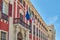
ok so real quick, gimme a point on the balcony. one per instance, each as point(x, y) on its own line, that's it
point(4, 16)
point(20, 21)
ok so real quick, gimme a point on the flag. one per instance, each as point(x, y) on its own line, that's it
point(30, 20)
point(27, 15)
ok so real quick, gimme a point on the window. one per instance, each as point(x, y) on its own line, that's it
point(32, 13)
point(41, 34)
point(20, 1)
point(24, 3)
point(21, 20)
point(30, 27)
point(44, 27)
point(3, 36)
point(29, 9)
point(37, 31)
point(34, 29)
point(38, 20)
point(35, 16)
point(19, 36)
point(5, 7)
point(21, 17)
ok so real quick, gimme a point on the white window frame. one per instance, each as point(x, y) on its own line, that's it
point(6, 34)
point(5, 7)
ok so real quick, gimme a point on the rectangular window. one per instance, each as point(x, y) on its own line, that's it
point(24, 3)
point(35, 17)
point(5, 7)
point(38, 20)
point(34, 29)
point(32, 13)
point(29, 11)
point(41, 34)
point(3, 35)
point(37, 31)
point(20, 1)
point(21, 17)
point(30, 27)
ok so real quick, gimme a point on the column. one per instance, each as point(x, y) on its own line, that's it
point(11, 27)
point(32, 29)
point(28, 35)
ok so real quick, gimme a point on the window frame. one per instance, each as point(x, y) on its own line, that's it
point(34, 30)
point(3, 35)
point(6, 34)
point(5, 7)
point(24, 3)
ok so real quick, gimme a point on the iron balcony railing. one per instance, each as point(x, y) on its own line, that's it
point(4, 16)
point(20, 21)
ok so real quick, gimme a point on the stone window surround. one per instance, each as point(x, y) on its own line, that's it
point(6, 34)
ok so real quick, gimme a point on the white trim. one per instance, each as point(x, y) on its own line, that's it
point(3, 31)
point(6, 33)
point(22, 27)
point(32, 30)
point(1, 20)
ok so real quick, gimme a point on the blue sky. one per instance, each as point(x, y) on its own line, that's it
point(50, 12)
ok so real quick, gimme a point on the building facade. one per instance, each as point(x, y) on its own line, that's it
point(4, 23)
point(51, 32)
point(14, 24)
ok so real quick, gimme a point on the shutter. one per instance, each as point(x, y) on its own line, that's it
point(10, 10)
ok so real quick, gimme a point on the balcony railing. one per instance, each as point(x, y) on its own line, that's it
point(4, 16)
point(20, 21)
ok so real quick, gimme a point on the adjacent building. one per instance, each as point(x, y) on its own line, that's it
point(51, 32)
point(19, 20)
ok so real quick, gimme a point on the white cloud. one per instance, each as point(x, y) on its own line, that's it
point(53, 19)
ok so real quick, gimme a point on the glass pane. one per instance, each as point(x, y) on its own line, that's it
point(5, 7)
point(3, 35)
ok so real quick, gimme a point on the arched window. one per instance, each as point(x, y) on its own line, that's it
point(19, 36)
